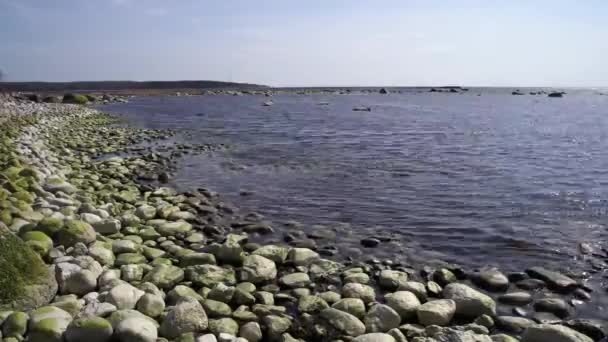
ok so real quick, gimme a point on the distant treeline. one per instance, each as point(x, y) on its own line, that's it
point(119, 85)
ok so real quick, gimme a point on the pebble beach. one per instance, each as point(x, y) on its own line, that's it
point(95, 247)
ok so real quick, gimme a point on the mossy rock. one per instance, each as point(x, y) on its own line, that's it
point(76, 231)
point(38, 241)
point(50, 225)
point(15, 325)
point(6, 217)
point(24, 196)
point(91, 329)
point(129, 259)
point(75, 98)
point(47, 330)
point(25, 281)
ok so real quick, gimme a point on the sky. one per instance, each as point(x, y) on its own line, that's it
point(309, 43)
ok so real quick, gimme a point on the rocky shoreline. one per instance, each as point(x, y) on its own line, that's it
point(92, 253)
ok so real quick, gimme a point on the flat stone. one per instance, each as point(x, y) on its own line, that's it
point(553, 333)
point(516, 298)
point(513, 324)
point(553, 279)
point(557, 306)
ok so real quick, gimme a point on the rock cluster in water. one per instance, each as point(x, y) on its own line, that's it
point(113, 259)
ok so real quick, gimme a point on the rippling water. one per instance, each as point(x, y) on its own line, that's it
point(513, 181)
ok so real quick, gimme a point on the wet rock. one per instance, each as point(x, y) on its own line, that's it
point(444, 276)
point(391, 279)
point(513, 324)
point(556, 306)
point(370, 242)
point(491, 279)
point(553, 333)
point(546, 318)
point(555, 280)
point(516, 298)
point(531, 284)
point(596, 329)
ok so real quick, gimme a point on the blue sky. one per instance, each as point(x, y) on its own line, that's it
point(308, 43)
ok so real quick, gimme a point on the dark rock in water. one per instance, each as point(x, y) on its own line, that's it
point(596, 329)
point(530, 284)
point(556, 94)
point(520, 312)
point(370, 242)
point(163, 177)
point(546, 318)
point(304, 243)
point(581, 294)
point(516, 276)
point(517, 92)
point(555, 280)
point(433, 288)
point(328, 250)
point(433, 90)
point(516, 298)
point(75, 99)
point(383, 91)
point(362, 109)
point(52, 99)
point(34, 98)
point(555, 306)
point(444, 276)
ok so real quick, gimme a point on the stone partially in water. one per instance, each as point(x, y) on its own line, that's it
point(553, 333)
point(553, 279)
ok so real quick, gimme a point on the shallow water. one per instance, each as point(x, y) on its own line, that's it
point(512, 181)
